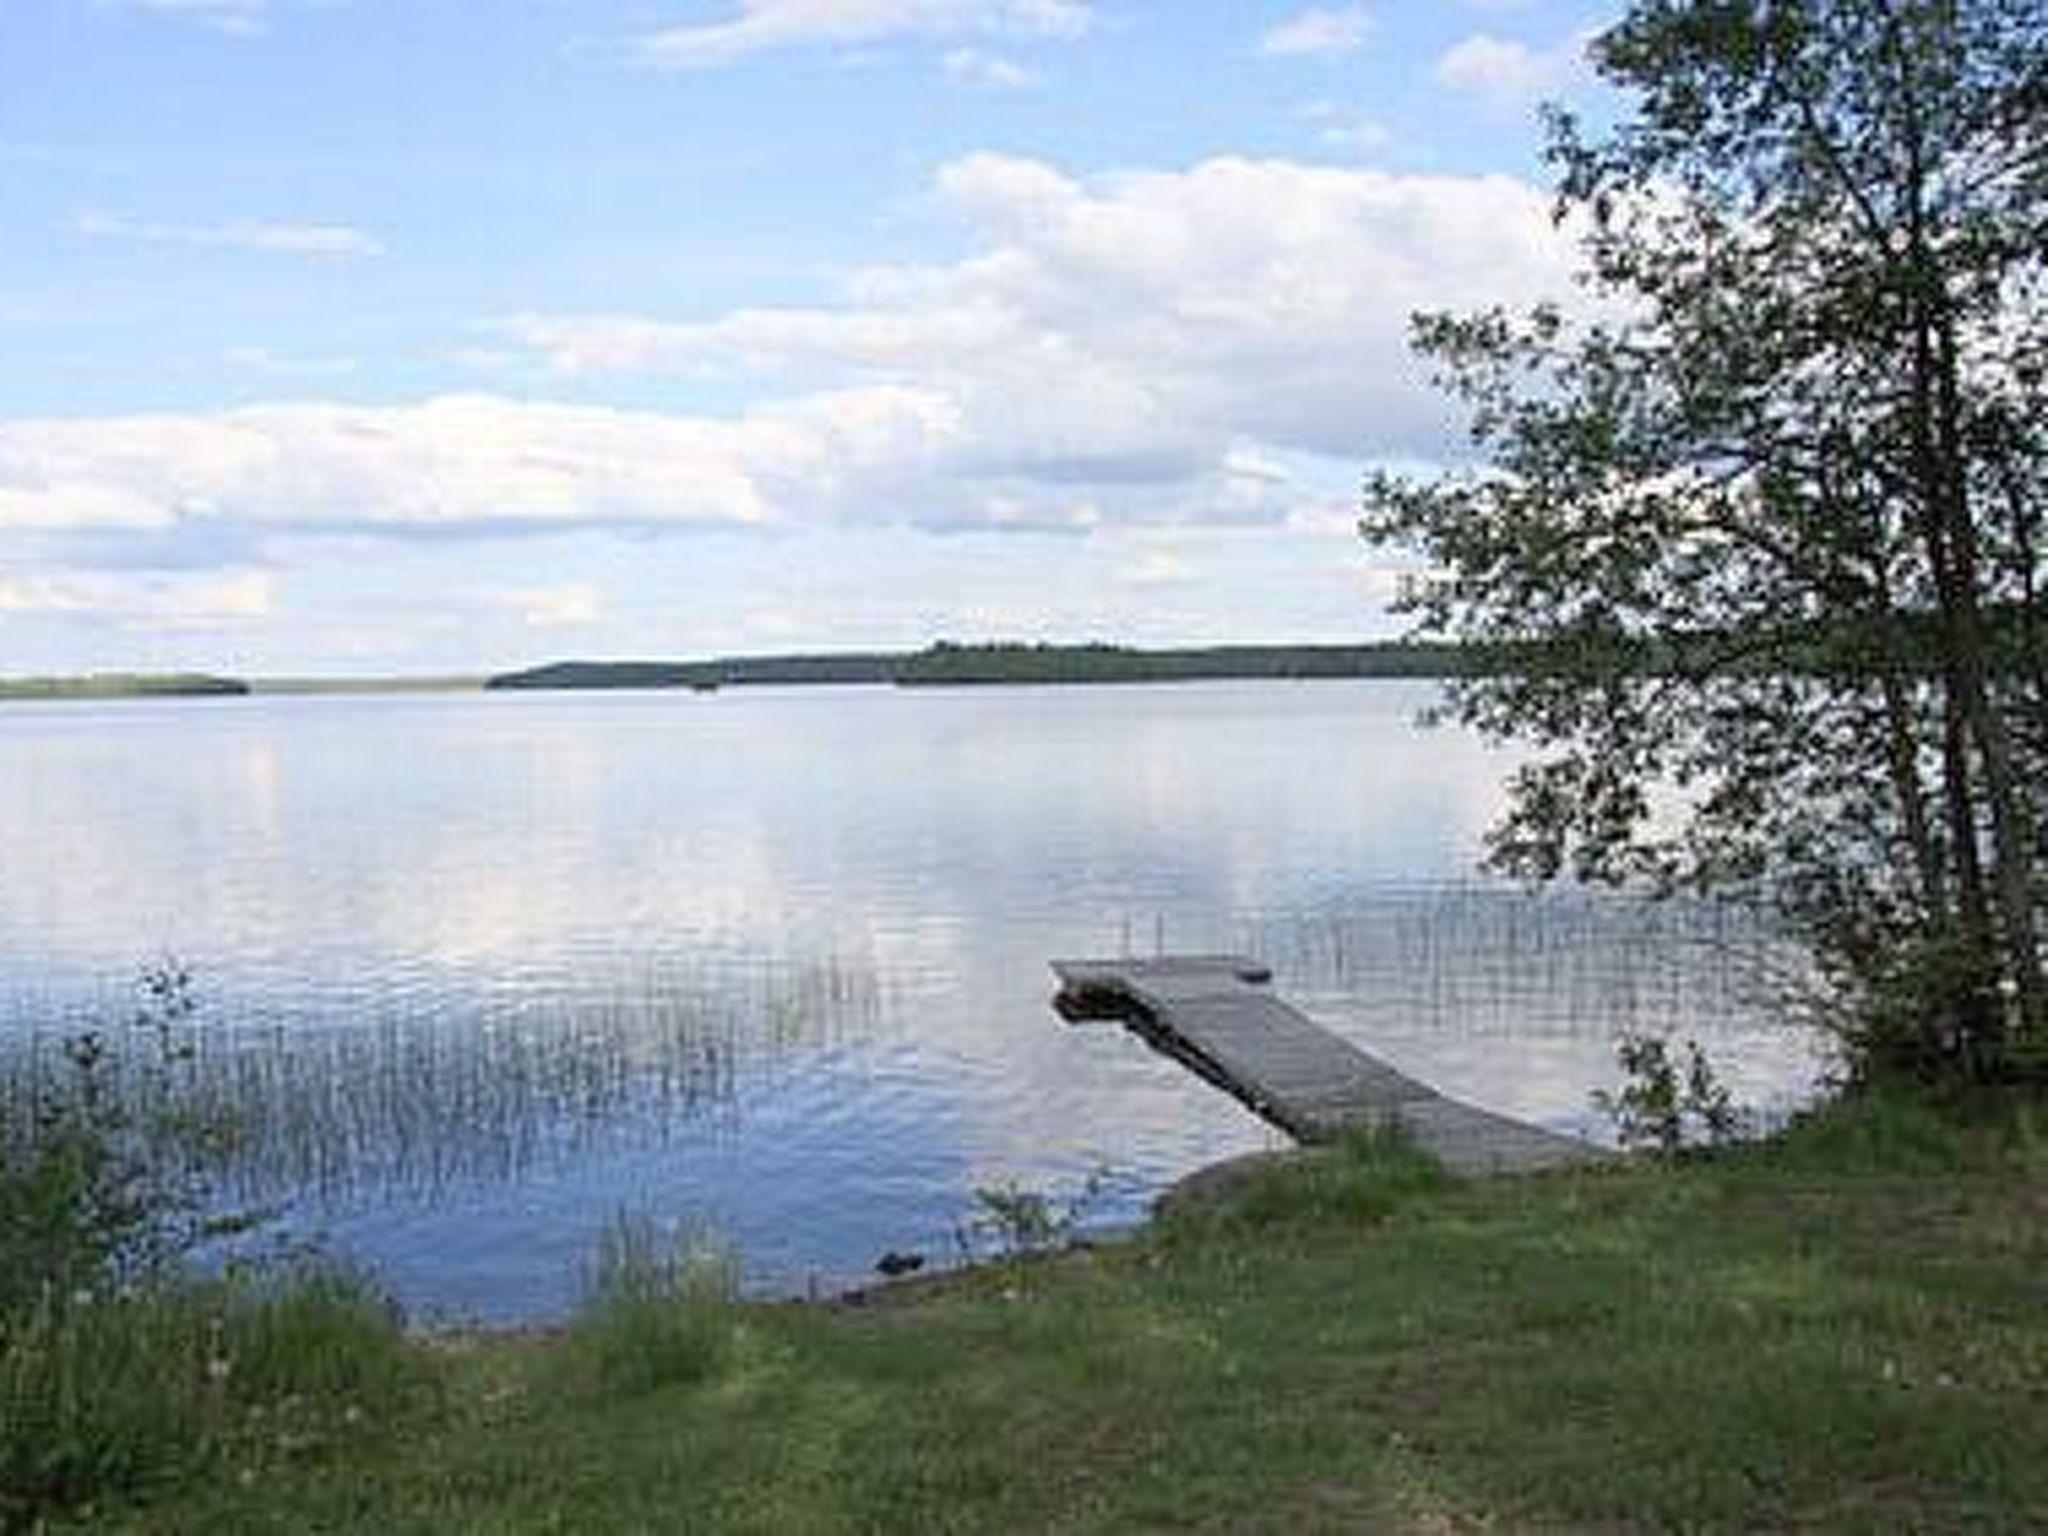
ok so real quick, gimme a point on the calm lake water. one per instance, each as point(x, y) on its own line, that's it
point(485, 970)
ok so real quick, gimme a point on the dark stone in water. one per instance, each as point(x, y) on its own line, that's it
point(893, 1263)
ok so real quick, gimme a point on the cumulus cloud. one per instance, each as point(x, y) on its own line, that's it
point(1319, 31)
point(41, 504)
point(764, 25)
point(1509, 73)
point(1147, 350)
point(1140, 325)
point(448, 463)
point(320, 242)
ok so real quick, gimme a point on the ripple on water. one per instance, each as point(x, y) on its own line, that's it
point(478, 972)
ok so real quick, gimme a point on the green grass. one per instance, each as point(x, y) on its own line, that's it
point(1847, 1330)
point(657, 1311)
point(112, 1396)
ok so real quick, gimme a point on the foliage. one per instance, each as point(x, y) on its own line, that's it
point(949, 664)
point(1667, 1105)
point(120, 1368)
point(102, 1160)
point(1892, 1129)
point(1018, 1222)
point(1765, 527)
point(656, 1310)
point(115, 1394)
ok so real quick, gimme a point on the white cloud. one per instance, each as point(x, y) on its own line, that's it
point(34, 504)
point(1155, 568)
point(446, 463)
point(42, 594)
point(1319, 31)
point(320, 242)
point(154, 602)
point(270, 362)
point(1149, 350)
point(1511, 74)
point(1346, 131)
point(238, 18)
point(978, 67)
point(571, 606)
point(1136, 328)
point(764, 25)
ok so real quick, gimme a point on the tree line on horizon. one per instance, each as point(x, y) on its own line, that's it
point(950, 663)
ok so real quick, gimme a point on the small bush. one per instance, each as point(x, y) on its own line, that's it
point(1926, 1011)
point(102, 1155)
point(1012, 1222)
point(656, 1311)
point(1667, 1105)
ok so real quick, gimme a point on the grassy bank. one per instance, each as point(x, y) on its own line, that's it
point(1847, 1330)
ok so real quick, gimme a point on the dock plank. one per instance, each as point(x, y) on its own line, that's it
point(1217, 1015)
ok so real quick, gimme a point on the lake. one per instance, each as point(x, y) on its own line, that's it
point(484, 970)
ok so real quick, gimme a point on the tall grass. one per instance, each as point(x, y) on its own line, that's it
point(111, 1394)
point(658, 1309)
point(416, 1104)
point(1502, 962)
point(514, 1081)
point(120, 1366)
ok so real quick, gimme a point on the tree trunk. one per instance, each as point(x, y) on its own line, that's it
point(2011, 825)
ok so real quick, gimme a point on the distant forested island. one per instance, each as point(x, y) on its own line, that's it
point(122, 685)
point(949, 664)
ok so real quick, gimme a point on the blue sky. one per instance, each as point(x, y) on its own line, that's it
point(415, 335)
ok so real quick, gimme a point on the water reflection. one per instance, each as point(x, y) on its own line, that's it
point(490, 967)
point(467, 830)
point(1511, 964)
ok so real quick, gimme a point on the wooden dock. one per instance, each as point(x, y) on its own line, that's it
point(1216, 1015)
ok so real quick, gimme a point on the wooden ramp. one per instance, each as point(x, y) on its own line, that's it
point(1215, 1014)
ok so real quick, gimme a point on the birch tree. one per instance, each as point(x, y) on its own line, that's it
point(1760, 554)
